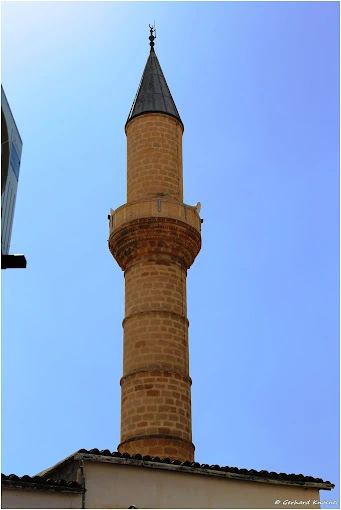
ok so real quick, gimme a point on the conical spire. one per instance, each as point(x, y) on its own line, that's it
point(153, 94)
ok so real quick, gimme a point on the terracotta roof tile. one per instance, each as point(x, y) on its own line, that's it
point(195, 465)
point(39, 482)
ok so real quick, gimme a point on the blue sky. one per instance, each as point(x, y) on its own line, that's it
point(257, 88)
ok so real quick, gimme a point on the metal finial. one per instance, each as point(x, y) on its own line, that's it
point(151, 38)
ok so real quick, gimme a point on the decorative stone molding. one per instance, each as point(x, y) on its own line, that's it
point(155, 237)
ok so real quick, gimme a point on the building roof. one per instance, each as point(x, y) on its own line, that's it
point(38, 482)
point(153, 94)
point(106, 456)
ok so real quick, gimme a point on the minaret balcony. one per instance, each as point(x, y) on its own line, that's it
point(155, 227)
point(156, 207)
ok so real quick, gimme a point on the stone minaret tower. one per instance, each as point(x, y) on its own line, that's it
point(155, 238)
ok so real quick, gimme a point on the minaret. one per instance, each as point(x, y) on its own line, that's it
point(155, 238)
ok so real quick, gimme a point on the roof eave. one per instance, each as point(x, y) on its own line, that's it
point(200, 471)
point(17, 484)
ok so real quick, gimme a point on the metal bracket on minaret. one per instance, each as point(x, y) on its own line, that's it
point(151, 38)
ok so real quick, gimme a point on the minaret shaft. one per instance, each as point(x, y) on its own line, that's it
point(154, 158)
point(155, 238)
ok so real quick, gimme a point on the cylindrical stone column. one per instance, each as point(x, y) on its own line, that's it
point(155, 253)
point(154, 157)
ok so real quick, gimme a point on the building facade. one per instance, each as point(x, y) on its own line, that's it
point(11, 149)
point(100, 479)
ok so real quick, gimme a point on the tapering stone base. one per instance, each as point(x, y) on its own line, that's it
point(159, 446)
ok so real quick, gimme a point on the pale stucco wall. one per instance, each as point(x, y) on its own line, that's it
point(28, 498)
point(119, 486)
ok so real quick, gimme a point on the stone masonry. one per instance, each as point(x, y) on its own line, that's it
point(155, 238)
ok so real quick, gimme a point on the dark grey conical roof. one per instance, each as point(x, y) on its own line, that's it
point(153, 94)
